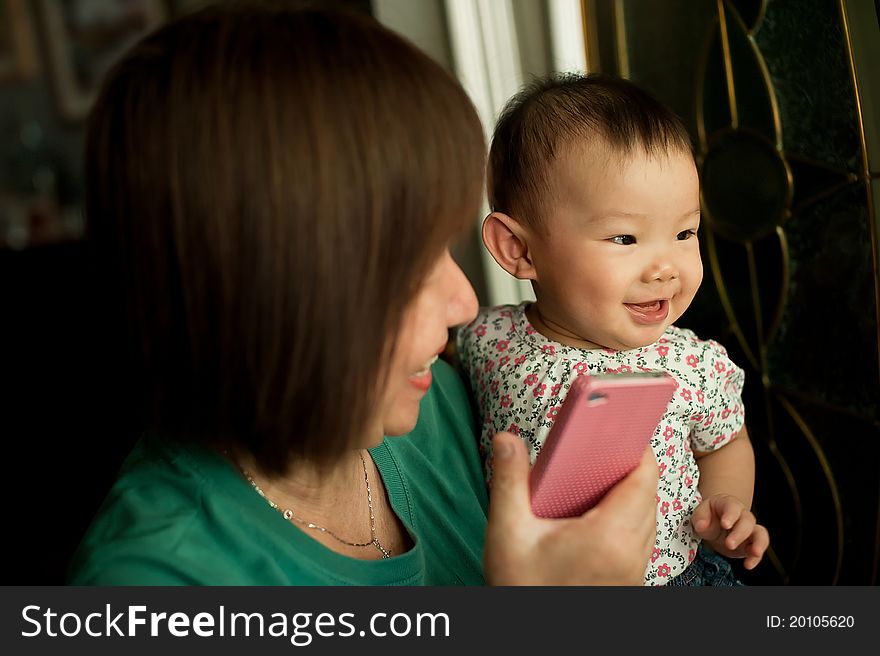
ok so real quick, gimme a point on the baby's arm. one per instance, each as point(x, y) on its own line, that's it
point(723, 518)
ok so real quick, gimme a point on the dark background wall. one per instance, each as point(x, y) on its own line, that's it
point(64, 422)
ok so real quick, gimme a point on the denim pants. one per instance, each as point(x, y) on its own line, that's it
point(708, 568)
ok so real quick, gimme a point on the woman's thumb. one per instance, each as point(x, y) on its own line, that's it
point(510, 482)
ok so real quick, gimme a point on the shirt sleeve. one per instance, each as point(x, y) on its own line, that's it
point(724, 412)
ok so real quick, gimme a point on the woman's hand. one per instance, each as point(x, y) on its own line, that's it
point(608, 545)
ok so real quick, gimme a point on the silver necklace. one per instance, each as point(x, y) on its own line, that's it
point(289, 515)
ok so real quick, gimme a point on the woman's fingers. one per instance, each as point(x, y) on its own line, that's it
point(507, 547)
point(631, 504)
point(510, 480)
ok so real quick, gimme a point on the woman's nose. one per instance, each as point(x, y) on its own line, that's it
point(462, 305)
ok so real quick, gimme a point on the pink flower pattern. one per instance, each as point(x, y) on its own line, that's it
point(705, 413)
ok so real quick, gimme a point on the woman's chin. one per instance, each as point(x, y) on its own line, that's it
point(402, 422)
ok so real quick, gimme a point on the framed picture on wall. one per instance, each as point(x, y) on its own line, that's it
point(84, 38)
point(17, 53)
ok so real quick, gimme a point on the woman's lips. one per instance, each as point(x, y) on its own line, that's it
point(649, 313)
point(422, 379)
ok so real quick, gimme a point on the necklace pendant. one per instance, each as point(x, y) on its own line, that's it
point(385, 552)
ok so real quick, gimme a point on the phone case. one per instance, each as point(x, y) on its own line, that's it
point(599, 435)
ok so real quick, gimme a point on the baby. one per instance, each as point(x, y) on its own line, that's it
point(596, 201)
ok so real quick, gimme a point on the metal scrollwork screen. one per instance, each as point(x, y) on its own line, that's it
point(769, 90)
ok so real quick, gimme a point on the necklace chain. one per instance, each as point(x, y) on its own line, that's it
point(289, 515)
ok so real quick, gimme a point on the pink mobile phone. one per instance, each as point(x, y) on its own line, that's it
point(605, 424)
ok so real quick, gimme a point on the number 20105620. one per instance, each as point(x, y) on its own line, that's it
point(810, 622)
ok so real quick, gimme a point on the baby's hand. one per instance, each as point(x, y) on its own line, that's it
point(730, 529)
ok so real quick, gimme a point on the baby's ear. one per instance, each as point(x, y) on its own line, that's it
point(508, 242)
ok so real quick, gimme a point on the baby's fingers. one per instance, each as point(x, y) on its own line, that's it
point(742, 529)
point(729, 511)
point(756, 547)
point(704, 522)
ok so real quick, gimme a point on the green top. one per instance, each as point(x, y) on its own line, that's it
point(182, 515)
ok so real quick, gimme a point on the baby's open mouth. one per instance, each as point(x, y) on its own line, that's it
point(650, 312)
point(650, 306)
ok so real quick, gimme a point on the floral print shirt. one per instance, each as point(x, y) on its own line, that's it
point(520, 378)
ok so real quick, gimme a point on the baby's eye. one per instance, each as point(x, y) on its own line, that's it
point(686, 234)
point(623, 240)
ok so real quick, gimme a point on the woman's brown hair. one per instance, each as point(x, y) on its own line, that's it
point(266, 187)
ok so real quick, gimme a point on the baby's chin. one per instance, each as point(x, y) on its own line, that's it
point(641, 341)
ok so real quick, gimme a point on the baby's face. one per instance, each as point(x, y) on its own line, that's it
point(621, 261)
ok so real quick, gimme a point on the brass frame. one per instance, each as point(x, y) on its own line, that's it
point(872, 212)
point(774, 395)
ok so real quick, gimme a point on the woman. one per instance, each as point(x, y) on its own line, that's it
point(273, 191)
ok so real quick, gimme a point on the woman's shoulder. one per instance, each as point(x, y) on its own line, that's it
point(160, 522)
point(150, 508)
point(159, 477)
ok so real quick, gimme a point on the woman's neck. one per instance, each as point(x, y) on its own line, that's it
point(342, 500)
point(308, 487)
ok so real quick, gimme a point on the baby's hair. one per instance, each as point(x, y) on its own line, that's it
point(553, 113)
